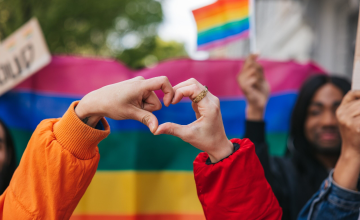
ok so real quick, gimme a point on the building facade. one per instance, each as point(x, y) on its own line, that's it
point(320, 30)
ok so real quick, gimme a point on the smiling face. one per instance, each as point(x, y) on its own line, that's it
point(321, 125)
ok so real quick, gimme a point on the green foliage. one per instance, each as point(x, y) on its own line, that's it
point(126, 29)
point(151, 51)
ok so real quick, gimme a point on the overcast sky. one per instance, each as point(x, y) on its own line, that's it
point(179, 24)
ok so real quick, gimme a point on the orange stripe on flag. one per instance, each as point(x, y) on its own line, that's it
point(139, 217)
point(222, 19)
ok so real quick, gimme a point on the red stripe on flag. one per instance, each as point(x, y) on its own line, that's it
point(218, 8)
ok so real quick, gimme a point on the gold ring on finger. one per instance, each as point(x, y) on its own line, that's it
point(202, 95)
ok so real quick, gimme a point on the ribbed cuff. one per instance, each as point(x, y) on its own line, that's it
point(76, 136)
point(236, 147)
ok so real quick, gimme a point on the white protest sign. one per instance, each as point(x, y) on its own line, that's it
point(356, 70)
point(22, 54)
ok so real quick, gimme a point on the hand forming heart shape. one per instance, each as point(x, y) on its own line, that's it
point(135, 99)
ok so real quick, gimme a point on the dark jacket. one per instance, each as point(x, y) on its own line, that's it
point(294, 178)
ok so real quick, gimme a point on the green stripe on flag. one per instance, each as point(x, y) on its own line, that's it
point(146, 152)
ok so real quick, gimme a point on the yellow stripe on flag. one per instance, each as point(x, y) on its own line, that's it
point(129, 193)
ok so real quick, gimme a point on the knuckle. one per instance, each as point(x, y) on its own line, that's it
point(170, 131)
point(140, 78)
point(164, 78)
point(253, 70)
point(193, 80)
point(145, 119)
point(338, 113)
point(348, 123)
point(158, 106)
point(341, 120)
point(260, 69)
point(194, 86)
point(215, 110)
point(218, 103)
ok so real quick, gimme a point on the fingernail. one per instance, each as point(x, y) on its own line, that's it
point(157, 132)
point(152, 127)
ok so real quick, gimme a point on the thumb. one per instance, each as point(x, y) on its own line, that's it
point(181, 131)
point(145, 117)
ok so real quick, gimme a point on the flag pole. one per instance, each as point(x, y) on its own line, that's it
point(356, 68)
point(252, 13)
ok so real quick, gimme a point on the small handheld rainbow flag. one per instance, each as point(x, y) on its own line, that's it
point(222, 22)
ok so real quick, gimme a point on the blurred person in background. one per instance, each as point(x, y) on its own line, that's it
point(314, 143)
point(338, 197)
point(7, 157)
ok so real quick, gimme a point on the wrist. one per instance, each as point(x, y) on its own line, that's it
point(84, 114)
point(80, 111)
point(226, 149)
point(254, 113)
point(350, 157)
point(347, 169)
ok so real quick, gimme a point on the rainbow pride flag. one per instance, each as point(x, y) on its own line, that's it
point(141, 176)
point(222, 22)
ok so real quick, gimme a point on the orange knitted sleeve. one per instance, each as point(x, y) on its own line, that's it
point(55, 170)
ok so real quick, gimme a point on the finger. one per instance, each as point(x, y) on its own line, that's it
point(187, 83)
point(252, 81)
point(259, 70)
point(190, 91)
point(152, 103)
point(351, 96)
point(137, 78)
point(163, 83)
point(181, 131)
point(145, 117)
point(249, 83)
point(255, 70)
point(352, 109)
point(250, 72)
point(196, 109)
point(250, 60)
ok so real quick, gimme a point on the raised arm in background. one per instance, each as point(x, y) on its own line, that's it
point(62, 155)
point(229, 177)
point(256, 89)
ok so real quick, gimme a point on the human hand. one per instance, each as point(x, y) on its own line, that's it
point(130, 99)
point(207, 133)
point(348, 115)
point(256, 89)
point(347, 169)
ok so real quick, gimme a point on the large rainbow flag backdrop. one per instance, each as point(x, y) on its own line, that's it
point(222, 22)
point(141, 176)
